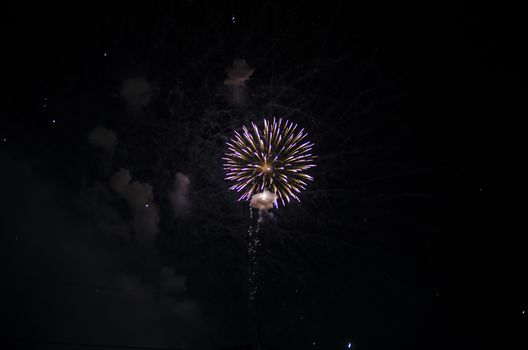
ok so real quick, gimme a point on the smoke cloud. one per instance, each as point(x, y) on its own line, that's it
point(103, 138)
point(171, 282)
point(239, 73)
point(263, 201)
point(178, 196)
point(140, 199)
point(78, 277)
point(136, 92)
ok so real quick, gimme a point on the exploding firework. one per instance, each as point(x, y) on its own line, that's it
point(273, 158)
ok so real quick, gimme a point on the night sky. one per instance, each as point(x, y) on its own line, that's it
point(118, 229)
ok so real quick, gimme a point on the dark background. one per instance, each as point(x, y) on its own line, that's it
point(390, 246)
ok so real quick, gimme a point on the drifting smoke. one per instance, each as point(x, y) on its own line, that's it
point(88, 270)
point(238, 73)
point(178, 195)
point(171, 282)
point(137, 93)
point(103, 138)
point(139, 197)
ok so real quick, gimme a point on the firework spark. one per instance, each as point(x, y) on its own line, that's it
point(273, 157)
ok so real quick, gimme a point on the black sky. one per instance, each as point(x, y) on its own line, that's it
point(389, 246)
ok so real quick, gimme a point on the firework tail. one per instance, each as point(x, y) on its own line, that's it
point(253, 245)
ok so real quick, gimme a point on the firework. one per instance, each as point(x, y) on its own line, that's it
point(274, 157)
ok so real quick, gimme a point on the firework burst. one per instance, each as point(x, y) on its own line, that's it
point(273, 157)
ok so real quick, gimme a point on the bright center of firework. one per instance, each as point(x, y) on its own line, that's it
point(272, 157)
point(266, 168)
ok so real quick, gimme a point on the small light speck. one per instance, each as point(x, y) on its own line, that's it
point(45, 105)
point(45, 98)
point(147, 205)
point(480, 189)
point(53, 121)
point(233, 19)
point(4, 139)
point(313, 343)
point(105, 54)
point(349, 346)
point(523, 312)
